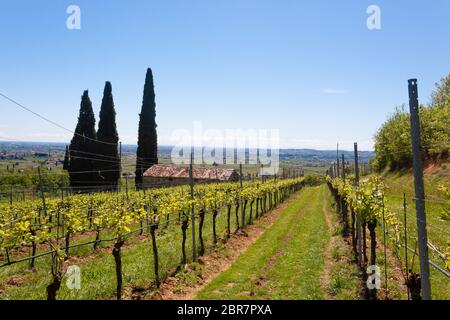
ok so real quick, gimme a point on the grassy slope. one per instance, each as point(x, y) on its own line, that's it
point(287, 260)
point(438, 229)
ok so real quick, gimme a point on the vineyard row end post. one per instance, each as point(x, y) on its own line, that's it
point(419, 189)
point(41, 187)
point(358, 216)
point(241, 200)
point(191, 184)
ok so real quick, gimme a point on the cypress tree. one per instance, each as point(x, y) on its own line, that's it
point(66, 159)
point(82, 146)
point(108, 163)
point(146, 154)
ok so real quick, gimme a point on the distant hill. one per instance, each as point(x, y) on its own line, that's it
point(290, 155)
point(322, 155)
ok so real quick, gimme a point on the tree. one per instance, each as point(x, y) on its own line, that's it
point(107, 163)
point(393, 139)
point(66, 162)
point(441, 95)
point(82, 146)
point(146, 154)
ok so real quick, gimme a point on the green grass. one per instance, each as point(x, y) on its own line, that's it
point(286, 262)
point(438, 229)
point(345, 277)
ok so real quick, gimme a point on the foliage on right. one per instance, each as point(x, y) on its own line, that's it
point(393, 139)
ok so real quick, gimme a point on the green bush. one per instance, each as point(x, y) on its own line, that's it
point(393, 139)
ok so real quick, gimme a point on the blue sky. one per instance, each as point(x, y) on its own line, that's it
point(309, 68)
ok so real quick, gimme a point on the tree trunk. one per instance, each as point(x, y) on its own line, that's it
point(372, 294)
point(166, 223)
point(364, 238)
point(237, 216)
point(184, 226)
point(67, 245)
point(228, 221)
point(153, 228)
point(200, 232)
point(33, 249)
point(118, 259)
point(53, 287)
point(345, 219)
point(373, 242)
point(414, 286)
point(214, 227)
point(90, 217)
point(243, 214)
point(97, 238)
point(270, 200)
point(251, 212)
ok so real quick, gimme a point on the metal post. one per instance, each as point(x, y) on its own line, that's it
point(419, 189)
point(337, 160)
point(191, 183)
point(240, 198)
point(120, 164)
point(356, 164)
point(358, 216)
point(126, 185)
point(41, 186)
point(385, 255)
point(343, 167)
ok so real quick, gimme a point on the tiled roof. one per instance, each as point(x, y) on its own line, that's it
point(201, 173)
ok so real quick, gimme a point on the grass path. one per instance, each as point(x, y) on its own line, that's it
point(286, 262)
point(341, 278)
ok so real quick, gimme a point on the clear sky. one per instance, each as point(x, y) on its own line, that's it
point(309, 68)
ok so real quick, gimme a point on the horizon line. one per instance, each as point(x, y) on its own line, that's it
point(168, 146)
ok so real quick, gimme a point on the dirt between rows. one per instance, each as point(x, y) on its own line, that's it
point(211, 265)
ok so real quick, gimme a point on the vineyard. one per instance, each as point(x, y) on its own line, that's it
point(53, 229)
point(369, 205)
point(224, 158)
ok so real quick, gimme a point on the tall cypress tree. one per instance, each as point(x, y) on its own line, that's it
point(108, 163)
point(66, 162)
point(82, 146)
point(146, 154)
